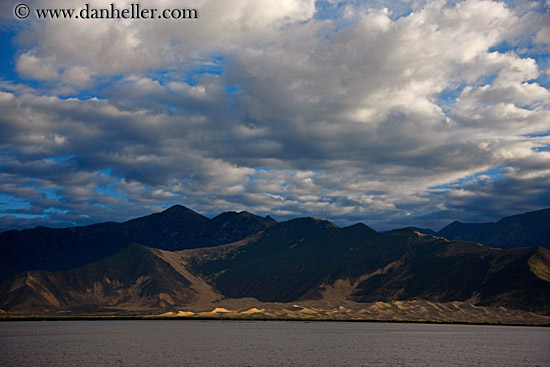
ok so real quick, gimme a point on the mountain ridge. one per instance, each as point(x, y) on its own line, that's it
point(520, 230)
point(176, 228)
point(139, 279)
point(303, 261)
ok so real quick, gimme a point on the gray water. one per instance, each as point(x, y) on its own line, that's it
point(268, 343)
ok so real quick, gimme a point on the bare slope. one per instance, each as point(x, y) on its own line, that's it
point(133, 278)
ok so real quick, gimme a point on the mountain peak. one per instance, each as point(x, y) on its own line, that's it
point(360, 226)
point(178, 209)
point(454, 223)
point(359, 230)
point(312, 221)
point(175, 212)
point(232, 213)
point(244, 213)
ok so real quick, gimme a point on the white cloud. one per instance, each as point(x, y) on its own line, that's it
point(29, 65)
point(262, 106)
point(74, 50)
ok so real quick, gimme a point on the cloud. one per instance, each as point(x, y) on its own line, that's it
point(75, 51)
point(385, 112)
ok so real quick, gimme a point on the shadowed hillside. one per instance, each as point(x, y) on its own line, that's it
point(522, 230)
point(133, 278)
point(176, 228)
point(302, 260)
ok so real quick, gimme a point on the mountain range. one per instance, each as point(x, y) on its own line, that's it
point(522, 230)
point(242, 264)
point(176, 228)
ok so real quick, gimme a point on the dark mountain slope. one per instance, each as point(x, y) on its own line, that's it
point(522, 230)
point(456, 230)
point(298, 259)
point(462, 271)
point(302, 259)
point(133, 277)
point(173, 229)
point(231, 227)
point(282, 263)
point(176, 228)
point(293, 261)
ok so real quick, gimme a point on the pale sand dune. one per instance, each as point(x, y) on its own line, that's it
point(185, 313)
point(416, 310)
point(252, 310)
point(178, 314)
point(220, 310)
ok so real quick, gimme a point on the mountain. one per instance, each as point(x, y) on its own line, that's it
point(283, 262)
point(241, 264)
point(230, 227)
point(423, 230)
point(522, 230)
point(176, 228)
point(300, 259)
point(133, 277)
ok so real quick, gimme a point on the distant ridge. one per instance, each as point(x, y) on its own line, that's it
point(522, 230)
point(179, 228)
point(176, 228)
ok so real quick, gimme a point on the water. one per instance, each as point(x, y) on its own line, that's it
point(268, 343)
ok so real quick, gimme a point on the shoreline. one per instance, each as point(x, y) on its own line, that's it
point(14, 318)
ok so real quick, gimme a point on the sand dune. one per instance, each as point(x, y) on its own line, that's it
point(416, 310)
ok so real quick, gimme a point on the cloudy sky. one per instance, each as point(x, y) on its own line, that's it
point(393, 113)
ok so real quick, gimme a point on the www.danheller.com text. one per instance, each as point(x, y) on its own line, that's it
point(132, 11)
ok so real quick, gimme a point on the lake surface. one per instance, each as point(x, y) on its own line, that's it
point(268, 343)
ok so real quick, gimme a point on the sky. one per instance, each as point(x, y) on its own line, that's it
point(391, 113)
